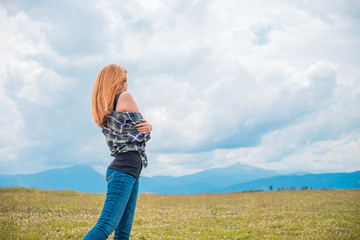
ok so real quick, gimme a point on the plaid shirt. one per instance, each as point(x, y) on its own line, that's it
point(122, 134)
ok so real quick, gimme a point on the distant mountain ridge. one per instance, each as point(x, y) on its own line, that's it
point(81, 178)
point(317, 181)
point(236, 178)
point(205, 181)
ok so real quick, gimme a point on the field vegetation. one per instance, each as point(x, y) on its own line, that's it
point(312, 214)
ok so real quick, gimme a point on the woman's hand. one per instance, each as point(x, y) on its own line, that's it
point(144, 127)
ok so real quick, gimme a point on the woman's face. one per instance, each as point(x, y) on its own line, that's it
point(125, 86)
point(125, 83)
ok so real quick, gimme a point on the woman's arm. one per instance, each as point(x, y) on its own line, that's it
point(126, 103)
point(144, 127)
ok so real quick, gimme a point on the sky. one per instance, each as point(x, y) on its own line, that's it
point(274, 85)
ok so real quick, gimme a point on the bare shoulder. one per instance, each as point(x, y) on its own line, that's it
point(126, 96)
point(126, 103)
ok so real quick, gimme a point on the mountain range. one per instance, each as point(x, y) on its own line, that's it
point(236, 178)
point(78, 177)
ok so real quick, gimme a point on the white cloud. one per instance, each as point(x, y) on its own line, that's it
point(12, 127)
point(336, 155)
point(341, 154)
point(40, 85)
point(23, 80)
point(260, 82)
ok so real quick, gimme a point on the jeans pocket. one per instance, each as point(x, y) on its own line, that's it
point(110, 175)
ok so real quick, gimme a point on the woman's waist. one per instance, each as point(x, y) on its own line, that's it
point(128, 162)
point(128, 154)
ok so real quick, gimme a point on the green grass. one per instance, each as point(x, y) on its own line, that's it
point(322, 214)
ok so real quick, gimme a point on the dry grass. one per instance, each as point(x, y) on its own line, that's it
point(324, 214)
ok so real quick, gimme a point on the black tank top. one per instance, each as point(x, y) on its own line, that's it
point(128, 162)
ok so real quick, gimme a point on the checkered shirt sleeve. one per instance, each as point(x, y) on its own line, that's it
point(122, 134)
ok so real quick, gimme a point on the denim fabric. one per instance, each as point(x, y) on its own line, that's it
point(119, 207)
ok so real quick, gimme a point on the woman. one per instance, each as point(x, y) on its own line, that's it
point(126, 133)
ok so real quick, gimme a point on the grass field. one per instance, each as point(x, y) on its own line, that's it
point(312, 214)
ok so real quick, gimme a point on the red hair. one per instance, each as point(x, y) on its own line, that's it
point(111, 79)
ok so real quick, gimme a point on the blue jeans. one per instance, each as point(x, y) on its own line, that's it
point(119, 207)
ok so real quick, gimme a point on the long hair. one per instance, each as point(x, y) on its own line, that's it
point(111, 79)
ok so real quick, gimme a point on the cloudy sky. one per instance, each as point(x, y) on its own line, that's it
point(272, 85)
